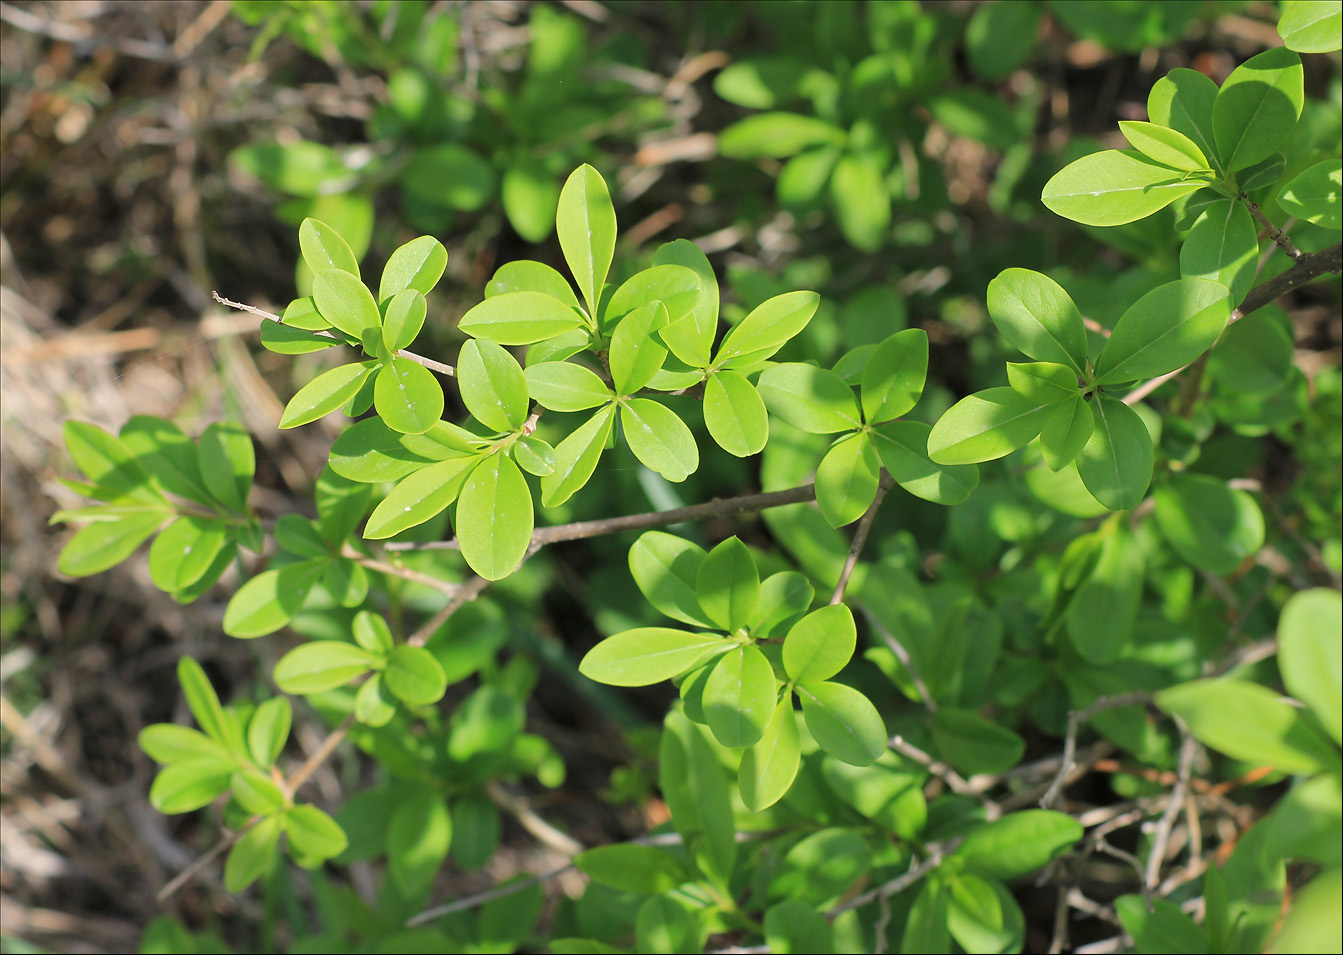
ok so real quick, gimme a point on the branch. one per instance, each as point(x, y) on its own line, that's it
point(633, 522)
point(319, 756)
point(1277, 235)
point(1161, 838)
point(937, 854)
point(429, 363)
point(860, 538)
point(405, 573)
point(954, 780)
point(1075, 720)
point(902, 655)
point(1309, 265)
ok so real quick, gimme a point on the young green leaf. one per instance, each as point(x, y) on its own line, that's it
point(586, 224)
point(644, 870)
point(1308, 26)
point(1316, 195)
point(665, 568)
point(1065, 433)
point(983, 916)
point(419, 834)
point(346, 303)
point(267, 602)
point(1156, 925)
point(847, 479)
point(739, 696)
point(285, 340)
point(648, 655)
point(325, 393)
point(784, 597)
point(107, 461)
point(1210, 524)
point(703, 317)
point(1104, 610)
point(1164, 330)
point(735, 414)
point(520, 318)
point(419, 497)
point(324, 249)
point(268, 731)
point(534, 456)
point(189, 785)
point(167, 743)
point(809, 398)
point(675, 286)
point(1257, 107)
point(1183, 101)
point(184, 551)
point(369, 452)
point(492, 384)
point(414, 676)
point(167, 454)
point(408, 396)
point(903, 449)
point(862, 200)
point(1310, 657)
point(204, 704)
point(1035, 314)
point(529, 195)
point(576, 458)
point(565, 386)
point(926, 927)
point(820, 644)
point(1263, 173)
point(403, 319)
point(1161, 144)
point(894, 375)
point(101, 546)
point(257, 794)
point(768, 327)
point(728, 585)
point(843, 722)
point(635, 355)
point(417, 265)
point(986, 425)
point(770, 766)
point(1223, 246)
point(1116, 462)
point(313, 834)
point(663, 924)
point(659, 438)
point(228, 462)
point(1114, 187)
point(322, 665)
point(1043, 382)
point(1018, 843)
point(528, 276)
point(252, 855)
point(494, 518)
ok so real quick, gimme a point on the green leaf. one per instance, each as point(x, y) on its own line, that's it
point(478, 830)
point(576, 458)
point(299, 168)
point(1309, 655)
point(1018, 843)
point(267, 602)
point(983, 916)
point(1257, 107)
point(761, 82)
point(528, 276)
point(447, 176)
point(843, 722)
point(648, 655)
point(663, 925)
point(488, 722)
point(862, 201)
point(372, 633)
point(494, 518)
point(204, 705)
point(1312, 925)
point(793, 927)
point(1263, 173)
point(998, 38)
point(1223, 246)
point(1158, 926)
point(739, 696)
point(492, 384)
point(346, 303)
point(665, 568)
point(903, 449)
point(986, 425)
point(418, 836)
point(635, 355)
point(1183, 100)
point(627, 867)
point(1104, 610)
point(253, 854)
point(168, 455)
point(1250, 722)
point(417, 265)
point(735, 414)
point(341, 504)
point(1066, 431)
point(402, 319)
point(529, 196)
point(586, 224)
point(926, 927)
point(809, 398)
point(1116, 462)
point(972, 744)
point(779, 135)
point(822, 867)
point(189, 785)
point(268, 731)
point(534, 456)
point(1035, 314)
point(1311, 26)
point(414, 676)
point(313, 834)
point(419, 497)
point(728, 585)
point(324, 249)
point(894, 375)
point(678, 289)
point(820, 644)
point(520, 318)
point(770, 766)
point(659, 438)
point(767, 328)
point(1043, 382)
point(408, 396)
point(1161, 144)
point(1253, 357)
point(257, 794)
point(1316, 195)
point(1213, 526)
point(369, 452)
point(847, 479)
point(565, 386)
point(322, 665)
point(703, 317)
point(695, 787)
point(1114, 187)
point(167, 743)
point(184, 551)
point(325, 393)
point(107, 461)
point(100, 546)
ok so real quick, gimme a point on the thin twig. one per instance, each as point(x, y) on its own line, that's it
point(901, 654)
point(466, 593)
point(1075, 719)
point(429, 363)
point(1279, 237)
point(187, 874)
point(489, 895)
point(860, 538)
point(319, 756)
point(405, 573)
point(958, 783)
point(1161, 837)
point(529, 820)
point(937, 854)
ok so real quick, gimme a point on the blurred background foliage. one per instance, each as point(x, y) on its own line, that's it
point(889, 155)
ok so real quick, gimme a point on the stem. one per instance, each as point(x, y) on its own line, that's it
point(860, 538)
point(1075, 720)
point(1279, 237)
point(318, 757)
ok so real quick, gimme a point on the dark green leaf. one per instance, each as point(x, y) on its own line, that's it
point(1018, 843)
point(903, 449)
point(632, 868)
point(1104, 610)
point(843, 722)
point(418, 836)
point(972, 744)
point(1213, 526)
point(1116, 462)
point(1159, 927)
point(809, 398)
point(1223, 246)
point(894, 375)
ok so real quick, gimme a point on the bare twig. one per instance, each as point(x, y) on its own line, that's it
point(1161, 837)
point(466, 593)
point(480, 898)
point(937, 854)
point(201, 862)
point(1075, 719)
point(1279, 237)
point(902, 655)
point(319, 756)
point(860, 538)
point(958, 783)
point(405, 573)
